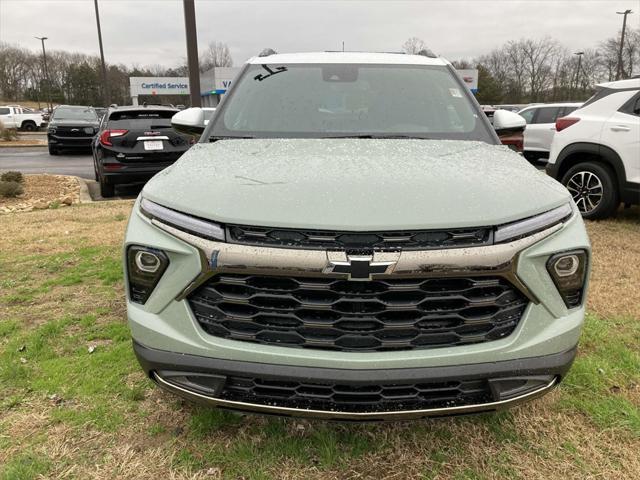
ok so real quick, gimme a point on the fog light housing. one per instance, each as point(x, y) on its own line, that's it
point(145, 267)
point(568, 271)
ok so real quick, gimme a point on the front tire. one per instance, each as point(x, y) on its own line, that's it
point(593, 188)
point(29, 127)
point(53, 150)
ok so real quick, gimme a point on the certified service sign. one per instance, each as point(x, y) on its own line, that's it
point(159, 86)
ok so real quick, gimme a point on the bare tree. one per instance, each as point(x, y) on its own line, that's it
point(217, 54)
point(414, 46)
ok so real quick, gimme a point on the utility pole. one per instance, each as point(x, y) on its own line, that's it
point(579, 54)
point(620, 69)
point(105, 86)
point(46, 73)
point(192, 52)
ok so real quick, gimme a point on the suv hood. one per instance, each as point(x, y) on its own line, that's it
point(355, 184)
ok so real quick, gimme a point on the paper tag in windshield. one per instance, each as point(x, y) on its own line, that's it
point(455, 93)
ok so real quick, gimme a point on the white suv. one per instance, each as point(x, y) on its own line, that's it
point(541, 121)
point(596, 150)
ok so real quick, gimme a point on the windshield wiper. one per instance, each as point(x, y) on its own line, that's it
point(215, 138)
point(386, 136)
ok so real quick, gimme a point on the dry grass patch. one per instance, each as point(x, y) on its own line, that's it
point(615, 275)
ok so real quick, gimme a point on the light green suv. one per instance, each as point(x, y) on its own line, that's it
point(348, 240)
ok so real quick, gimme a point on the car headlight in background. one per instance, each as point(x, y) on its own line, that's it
point(568, 271)
point(145, 267)
point(182, 221)
point(531, 225)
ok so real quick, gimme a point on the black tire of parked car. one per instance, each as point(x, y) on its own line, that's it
point(53, 150)
point(29, 126)
point(609, 201)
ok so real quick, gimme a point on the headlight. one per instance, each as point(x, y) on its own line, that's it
point(52, 131)
point(197, 226)
point(568, 271)
point(145, 267)
point(528, 226)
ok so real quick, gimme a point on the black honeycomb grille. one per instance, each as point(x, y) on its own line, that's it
point(378, 315)
point(393, 240)
point(356, 398)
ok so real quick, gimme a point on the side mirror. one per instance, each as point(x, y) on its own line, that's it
point(505, 121)
point(190, 121)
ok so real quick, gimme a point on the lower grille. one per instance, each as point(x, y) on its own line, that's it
point(356, 398)
point(378, 315)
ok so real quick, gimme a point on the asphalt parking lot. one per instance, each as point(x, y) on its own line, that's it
point(79, 164)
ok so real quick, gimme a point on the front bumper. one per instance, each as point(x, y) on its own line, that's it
point(69, 142)
point(205, 380)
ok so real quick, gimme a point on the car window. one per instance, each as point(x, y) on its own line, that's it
point(141, 119)
point(547, 115)
point(329, 100)
point(528, 115)
point(632, 107)
point(566, 111)
point(5, 111)
point(75, 113)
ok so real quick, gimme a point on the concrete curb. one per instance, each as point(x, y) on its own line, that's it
point(85, 197)
point(36, 145)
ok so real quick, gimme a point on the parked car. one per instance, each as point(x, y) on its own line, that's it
point(15, 116)
point(71, 127)
point(596, 150)
point(133, 144)
point(348, 240)
point(541, 125)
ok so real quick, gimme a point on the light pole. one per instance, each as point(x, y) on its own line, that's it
point(620, 70)
point(579, 54)
point(105, 86)
point(192, 52)
point(46, 73)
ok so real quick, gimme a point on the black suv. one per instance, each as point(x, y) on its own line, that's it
point(133, 144)
point(71, 127)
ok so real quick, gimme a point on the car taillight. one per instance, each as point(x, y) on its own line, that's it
point(565, 122)
point(105, 137)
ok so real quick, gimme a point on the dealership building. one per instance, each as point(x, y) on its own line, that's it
point(213, 84)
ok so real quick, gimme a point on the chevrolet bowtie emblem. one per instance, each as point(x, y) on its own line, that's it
point(360, 268)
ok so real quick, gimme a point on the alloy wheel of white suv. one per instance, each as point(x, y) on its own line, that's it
point(592, 187)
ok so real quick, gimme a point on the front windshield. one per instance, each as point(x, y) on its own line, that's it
point(345, 100)
point(75, 113)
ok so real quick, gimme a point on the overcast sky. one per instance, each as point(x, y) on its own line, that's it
point(145, 32)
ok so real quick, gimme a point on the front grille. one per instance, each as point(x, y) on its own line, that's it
point(356, 398)
point(378, 315)
point(334, 240)
point(74, 132)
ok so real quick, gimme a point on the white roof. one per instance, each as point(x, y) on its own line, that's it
point(631, 83)
point(558, 104)
point(348, 57)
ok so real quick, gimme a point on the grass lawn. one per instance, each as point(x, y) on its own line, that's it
point(75, 404)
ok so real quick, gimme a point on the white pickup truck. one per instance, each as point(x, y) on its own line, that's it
point(15, 116)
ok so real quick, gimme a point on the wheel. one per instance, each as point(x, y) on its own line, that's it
point(107, 190)
point(53, 150)
point(593, 188)
point(29, 127)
